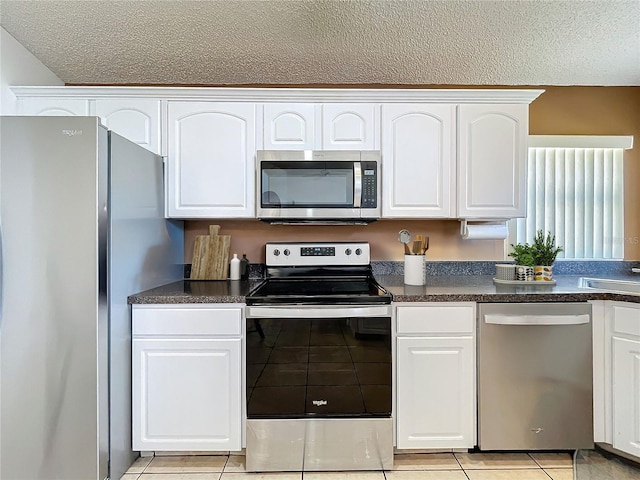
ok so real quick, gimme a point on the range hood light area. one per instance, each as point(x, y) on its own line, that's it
point(292, 221)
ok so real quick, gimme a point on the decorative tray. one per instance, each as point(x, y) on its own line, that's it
point(524, 283)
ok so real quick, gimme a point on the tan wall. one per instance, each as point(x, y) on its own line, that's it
point(445, 242)
point(598, 111)
point(558, 111)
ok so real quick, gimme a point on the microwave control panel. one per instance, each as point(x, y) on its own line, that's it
point(369, 185)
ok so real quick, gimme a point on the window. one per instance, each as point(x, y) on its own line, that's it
point(575, 191)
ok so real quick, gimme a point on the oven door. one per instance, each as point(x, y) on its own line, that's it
point(318, 388)
point(318, 361)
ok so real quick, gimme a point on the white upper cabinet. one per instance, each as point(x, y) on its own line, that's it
point(350, 126)
point(211, 157)
point(330, 126)
point(135, 119)
point(418, 158)
point(138, 120)
point(446, 153)
point(289, 126)
point(54, 106)
point(492, 152)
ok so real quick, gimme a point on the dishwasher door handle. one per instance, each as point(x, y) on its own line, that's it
point(498, 319)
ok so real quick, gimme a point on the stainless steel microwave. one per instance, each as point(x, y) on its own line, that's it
point(313, 185)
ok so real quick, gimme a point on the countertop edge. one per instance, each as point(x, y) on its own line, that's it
point(444, 289)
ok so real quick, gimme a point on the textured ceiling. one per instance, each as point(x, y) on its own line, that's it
point(425, 42)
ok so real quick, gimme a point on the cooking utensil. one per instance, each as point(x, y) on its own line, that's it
point(404, 236)
point(418, 245)
point(426, 246)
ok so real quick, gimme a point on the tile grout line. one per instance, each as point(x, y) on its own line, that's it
point(144, 472)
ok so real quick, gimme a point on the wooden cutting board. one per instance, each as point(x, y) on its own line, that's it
point(211, 256)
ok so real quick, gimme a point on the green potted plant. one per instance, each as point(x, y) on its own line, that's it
point(523, 256)
point(535, 261)
point(544, 249)
point(544, 252)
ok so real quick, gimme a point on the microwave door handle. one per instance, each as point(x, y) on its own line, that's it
point(357, 184)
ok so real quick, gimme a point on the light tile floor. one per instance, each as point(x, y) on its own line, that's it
point(424, 466)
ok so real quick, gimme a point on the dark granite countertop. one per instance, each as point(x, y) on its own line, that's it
point(197, 291)
point(481, 288)
point(439, 288)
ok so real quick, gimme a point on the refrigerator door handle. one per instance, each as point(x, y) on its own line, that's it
point(1, 276)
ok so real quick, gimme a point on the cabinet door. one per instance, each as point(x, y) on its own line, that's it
point(135, 119)
point(492, 152)
point(211, 160)
point(289, 126)
point(626, 395)
point(54, 106)
point(417, 158)
point(350, 126)
point(436, 392)
point(186, 394)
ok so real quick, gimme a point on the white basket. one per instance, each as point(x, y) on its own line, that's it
point(505, 271)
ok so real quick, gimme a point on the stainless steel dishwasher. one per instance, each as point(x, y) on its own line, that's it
point(535, 389)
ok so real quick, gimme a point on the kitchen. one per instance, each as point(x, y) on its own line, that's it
point(587, 105)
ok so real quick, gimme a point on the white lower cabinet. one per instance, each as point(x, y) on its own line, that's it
point(187, 378)
point(435, 375)
point(626, 395)
point(616, 376)
point(625, 356)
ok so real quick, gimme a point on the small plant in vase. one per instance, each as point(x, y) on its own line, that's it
point(544, 252)
point(523, 256)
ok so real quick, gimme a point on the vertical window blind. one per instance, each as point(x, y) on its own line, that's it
point(577, 195)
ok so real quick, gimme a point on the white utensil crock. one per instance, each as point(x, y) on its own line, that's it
point(415, 272)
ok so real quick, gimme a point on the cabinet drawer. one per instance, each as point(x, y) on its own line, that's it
point(187, 321)
point(436, 319)
point(626, 320)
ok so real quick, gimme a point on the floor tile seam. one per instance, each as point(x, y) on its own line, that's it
point(147, 465)
point(494, 469)
point(534, 460)
point(545, 472)
point(187, 471)
point(548, 466)
point(459, 463)
point(224, 467)
point(509, 467)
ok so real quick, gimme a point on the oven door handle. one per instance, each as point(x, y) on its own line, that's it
point(318, 311)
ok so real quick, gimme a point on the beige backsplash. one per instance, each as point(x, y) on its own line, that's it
point(249, 236)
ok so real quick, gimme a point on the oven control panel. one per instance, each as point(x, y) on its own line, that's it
point(325, 254)
point(318, 251)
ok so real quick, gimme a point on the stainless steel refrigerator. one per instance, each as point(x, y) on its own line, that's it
point(81, 227)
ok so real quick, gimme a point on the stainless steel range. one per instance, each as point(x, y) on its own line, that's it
point(319, 362)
